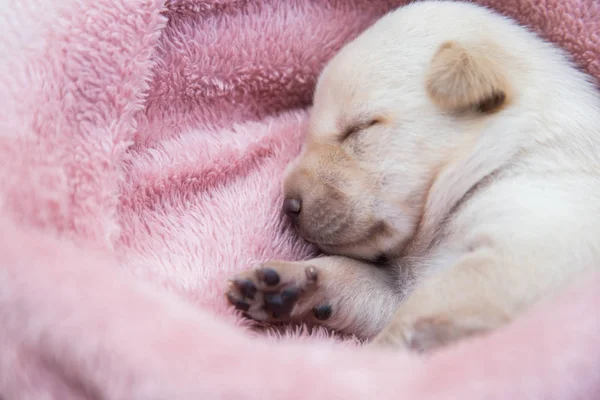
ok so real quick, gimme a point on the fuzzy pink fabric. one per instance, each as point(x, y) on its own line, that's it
point(141, 148)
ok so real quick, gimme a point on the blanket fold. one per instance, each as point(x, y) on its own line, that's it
point(141, 148)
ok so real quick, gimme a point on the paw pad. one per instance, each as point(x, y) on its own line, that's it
point(322, 313)
point(269, 276)
point(246, 287)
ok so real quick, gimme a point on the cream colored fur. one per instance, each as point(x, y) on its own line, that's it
point(465, 151)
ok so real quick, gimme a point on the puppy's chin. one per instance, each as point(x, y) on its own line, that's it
point(378, 245)
point(364, 253)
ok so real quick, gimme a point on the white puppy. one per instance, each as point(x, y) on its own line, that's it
point(451, 172)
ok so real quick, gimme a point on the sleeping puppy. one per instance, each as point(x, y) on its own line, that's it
point(452, 174)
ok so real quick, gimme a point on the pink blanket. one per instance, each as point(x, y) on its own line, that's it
point(141, 148)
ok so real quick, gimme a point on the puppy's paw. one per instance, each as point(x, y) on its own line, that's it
point(391, 337)
point(276, 291)
point(423, 334)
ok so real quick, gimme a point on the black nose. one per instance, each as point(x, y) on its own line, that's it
point(292, 207)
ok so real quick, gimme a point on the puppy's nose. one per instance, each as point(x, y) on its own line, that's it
point(292, 207)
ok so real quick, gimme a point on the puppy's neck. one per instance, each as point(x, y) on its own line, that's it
point(457, 180)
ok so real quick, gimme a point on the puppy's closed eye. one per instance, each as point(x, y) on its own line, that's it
point(355, 128)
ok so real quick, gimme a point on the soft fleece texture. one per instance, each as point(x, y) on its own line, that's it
point(141, 148)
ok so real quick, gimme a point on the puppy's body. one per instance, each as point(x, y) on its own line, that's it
point(460, 147)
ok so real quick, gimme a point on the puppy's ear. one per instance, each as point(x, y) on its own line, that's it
point(462, 78)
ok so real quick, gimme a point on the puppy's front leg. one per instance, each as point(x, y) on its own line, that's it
point(337, 292)
point(473, 296)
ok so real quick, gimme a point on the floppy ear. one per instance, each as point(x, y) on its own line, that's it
point(462, 78)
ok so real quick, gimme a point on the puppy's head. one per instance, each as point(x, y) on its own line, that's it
point(391, 111)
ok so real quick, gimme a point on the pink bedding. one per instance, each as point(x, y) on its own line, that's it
point(141, 148)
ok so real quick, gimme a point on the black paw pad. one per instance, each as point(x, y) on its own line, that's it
point(246, 287)
point(269, 276)
point(237, 303)
point(280, 304)
point(322, 312)
point(290, 295)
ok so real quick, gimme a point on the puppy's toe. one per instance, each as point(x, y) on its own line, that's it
point(268, 276)
point(245, 287)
